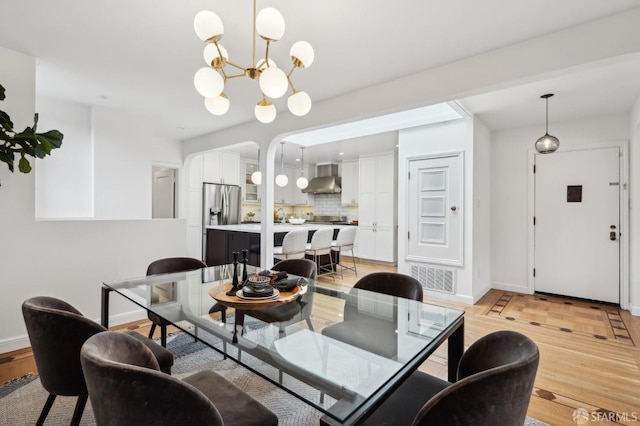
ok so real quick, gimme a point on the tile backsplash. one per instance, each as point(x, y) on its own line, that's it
point(324, 205)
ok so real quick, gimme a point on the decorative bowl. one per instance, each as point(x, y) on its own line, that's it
point(296, 221)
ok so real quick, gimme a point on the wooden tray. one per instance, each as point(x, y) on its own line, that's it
point(219, 294)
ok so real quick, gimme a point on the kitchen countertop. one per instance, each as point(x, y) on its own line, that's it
point(256, 228)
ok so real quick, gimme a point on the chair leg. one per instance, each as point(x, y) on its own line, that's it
point(163, 335)
point(77, 413)
point(309, 325)
point(353, 257)
point(153, 329)
point(45, 409)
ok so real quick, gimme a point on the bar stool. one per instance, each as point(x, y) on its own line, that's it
point(344, 242)
point(321, 245)
point(293, 245)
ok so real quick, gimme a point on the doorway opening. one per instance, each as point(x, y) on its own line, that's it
point(163, 194)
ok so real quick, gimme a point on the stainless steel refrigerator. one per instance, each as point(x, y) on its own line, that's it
point(221, 205)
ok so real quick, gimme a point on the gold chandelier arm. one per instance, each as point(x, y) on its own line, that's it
point(253, 53)
point(235, 65)
point(229, 77)
point(291, 72)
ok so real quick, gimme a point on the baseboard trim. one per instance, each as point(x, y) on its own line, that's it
point(467, 300)
point(511, 287)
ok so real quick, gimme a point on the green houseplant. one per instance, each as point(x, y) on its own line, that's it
point(25, 143)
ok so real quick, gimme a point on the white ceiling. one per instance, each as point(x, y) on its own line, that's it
point(140, 56)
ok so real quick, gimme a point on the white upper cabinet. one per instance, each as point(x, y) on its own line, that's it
point(250, 191)
point(350, 182)
point(221, 167)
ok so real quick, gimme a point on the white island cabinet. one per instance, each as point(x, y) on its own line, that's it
point(377, 226)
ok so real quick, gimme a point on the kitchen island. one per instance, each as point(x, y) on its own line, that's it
point(223, 240)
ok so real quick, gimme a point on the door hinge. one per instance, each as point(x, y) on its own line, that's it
point(534, 221)
point(408, 235)
point(409, 175)
point(534, 272)
point(534, 168)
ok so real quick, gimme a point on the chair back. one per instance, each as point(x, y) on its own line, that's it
point(174, 264)
point(391, 283)
point(125, 386)
point(496, 376)
point(346, 238)
point(57, 331)
point(294, 244)
point(301, 267)
point(321, 241)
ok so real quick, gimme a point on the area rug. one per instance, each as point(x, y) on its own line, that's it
point(568, 315)
point(22, 400)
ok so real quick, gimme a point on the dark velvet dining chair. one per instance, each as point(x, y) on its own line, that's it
point(495, 379)
point(372, 332)
point(126, 388)
point(57, 331)
point(288, 313)
point(167, 266)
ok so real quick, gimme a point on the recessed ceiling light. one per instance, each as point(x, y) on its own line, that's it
point(105, 97)
point(341, 153)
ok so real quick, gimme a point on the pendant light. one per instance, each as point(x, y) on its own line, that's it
point(282, 179)
point(302, 181)
point(547, 143)
point(256, 177)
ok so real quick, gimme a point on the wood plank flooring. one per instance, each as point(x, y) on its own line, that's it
point(589, 353)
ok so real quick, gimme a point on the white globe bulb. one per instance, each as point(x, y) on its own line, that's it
point(218, 105)
point(208, 26)
point(212, 54)
point(262, 64)
point(256, 177)
point(270, 24)
point(302, 54)
point(208, 82)
point(302, 182)
point(273, 82)
point(265, 112)
point(282, 180)
point(299, 103)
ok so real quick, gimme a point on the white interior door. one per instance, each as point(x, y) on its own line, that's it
point(435, 210)
point(577, 224)
point(163, 193)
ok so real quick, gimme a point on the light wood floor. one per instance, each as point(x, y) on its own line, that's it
point(589, 353)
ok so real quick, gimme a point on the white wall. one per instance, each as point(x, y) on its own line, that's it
point(634, 216)
point(481, 247)
point(64, 180)
point(509, 189)
point(428, 140)
point(68, 259)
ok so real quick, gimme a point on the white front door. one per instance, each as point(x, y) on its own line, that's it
point(577, 224)
point(435, 210)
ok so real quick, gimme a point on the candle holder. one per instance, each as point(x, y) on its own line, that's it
point(245, 259)
point(234, 283)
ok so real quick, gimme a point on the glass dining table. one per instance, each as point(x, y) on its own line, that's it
point(343, 378)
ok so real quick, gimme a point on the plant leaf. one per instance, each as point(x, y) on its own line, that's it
point(2, 95)
point(5, 121)
point(52, 137)
point(24, 165)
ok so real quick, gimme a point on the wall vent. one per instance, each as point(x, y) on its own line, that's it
point(433, 278)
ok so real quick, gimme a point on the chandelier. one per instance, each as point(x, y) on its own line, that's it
point(210, 81)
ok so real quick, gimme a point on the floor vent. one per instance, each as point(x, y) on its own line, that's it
point(434, 279)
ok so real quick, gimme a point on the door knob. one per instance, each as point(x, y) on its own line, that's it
point(612, 235)
point(454, 208)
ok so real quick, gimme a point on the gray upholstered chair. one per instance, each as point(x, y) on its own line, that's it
point(345, 241)
point(166, 266)
point(287, 313)
point(126, 388)
point(495, 380)
point(57, 331)
point(293, 245)
point(372, 332)
point(320, 245)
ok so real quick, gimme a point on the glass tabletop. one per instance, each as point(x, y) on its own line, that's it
point(337, 348)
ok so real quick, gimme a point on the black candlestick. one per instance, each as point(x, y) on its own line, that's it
point(234, 283)
point(245, 259)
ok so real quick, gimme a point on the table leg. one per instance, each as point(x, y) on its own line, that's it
point(104, 313)
point(455, 350)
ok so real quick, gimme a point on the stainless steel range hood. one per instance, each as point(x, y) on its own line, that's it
point(326, 182)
